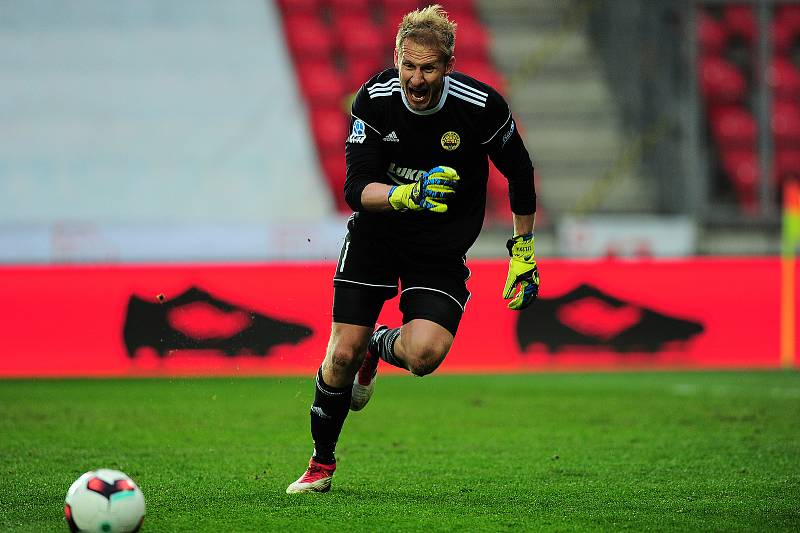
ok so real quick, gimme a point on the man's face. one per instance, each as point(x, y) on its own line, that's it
point(422, 71)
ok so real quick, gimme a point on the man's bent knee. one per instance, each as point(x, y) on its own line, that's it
point(423, 368)
point(424, 346)
point(426, 361)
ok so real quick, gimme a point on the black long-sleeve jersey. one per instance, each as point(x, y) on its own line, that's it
point(389, 142)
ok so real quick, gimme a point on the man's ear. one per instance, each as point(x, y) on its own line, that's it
point(396, 59)
point(450, 67)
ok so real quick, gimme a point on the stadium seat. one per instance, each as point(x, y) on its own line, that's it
point(359, 36)
point(740, 21)
point(329, 127)
point(789, 14)
point(398, 5)
point(360, 69)
point(498, 208)
point(321, 83)
point(295, 7)
point(784, 79)
point(308, 37)
point(786, 124)
point(733, 126)
point(390, 20)
point(459, 10)
point(787, 164)
point(783, 36)
point(335, 169)
point(711, 34)
point(721, 81)
point(741, 167)
point(476, 43)
point(350, 6)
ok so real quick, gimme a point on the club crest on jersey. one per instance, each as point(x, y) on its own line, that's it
point(450, 141)
point(357, 135)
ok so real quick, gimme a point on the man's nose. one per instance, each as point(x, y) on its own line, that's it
point(417, 78)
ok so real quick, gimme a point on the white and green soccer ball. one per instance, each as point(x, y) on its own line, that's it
point(104, 501)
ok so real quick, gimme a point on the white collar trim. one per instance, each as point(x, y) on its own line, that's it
point(442, 98)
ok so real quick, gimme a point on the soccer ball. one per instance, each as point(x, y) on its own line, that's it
point(104, 501)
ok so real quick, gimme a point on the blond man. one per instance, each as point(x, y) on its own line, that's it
point(417, 157)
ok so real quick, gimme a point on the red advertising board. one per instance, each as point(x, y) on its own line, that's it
point(275, 318)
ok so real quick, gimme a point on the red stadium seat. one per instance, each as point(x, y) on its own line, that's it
point(741, 168)
point(740, 21)
point(789, 14)
point(498, 208)
point(733, 126)
point(334, 167)
point(359, 70)
point(784, 79)
point(360, 37)
point(458, 10)
point(711, 34)
point(787, 164)
point(308, 37)
point(329, 127)
point(346, 22)
point(783, 36)
point(390, 21)
point(786, 124)
point(721, 81)
point(322, 84)
point(398, 5)
point(294, 7)
point(472, 40)
point(350, 6)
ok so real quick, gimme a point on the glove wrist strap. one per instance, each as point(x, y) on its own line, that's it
point(515, 239)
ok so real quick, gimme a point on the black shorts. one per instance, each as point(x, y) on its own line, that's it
point(370, 269)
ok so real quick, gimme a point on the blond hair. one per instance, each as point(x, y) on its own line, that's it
point(428, 26)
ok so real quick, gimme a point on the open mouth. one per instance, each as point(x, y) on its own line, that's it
point(418, 96)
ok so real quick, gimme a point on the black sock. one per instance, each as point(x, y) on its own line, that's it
point(328, 412)
point(385, 347)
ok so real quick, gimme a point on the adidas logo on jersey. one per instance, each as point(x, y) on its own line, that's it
point(391, 138)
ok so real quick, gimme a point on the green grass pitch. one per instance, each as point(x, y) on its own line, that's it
point(710, 451)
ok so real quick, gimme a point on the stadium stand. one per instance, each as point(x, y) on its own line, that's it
point(727, 37)
point(151, 113)
point(336, 45)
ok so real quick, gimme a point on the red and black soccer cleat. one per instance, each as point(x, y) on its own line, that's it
point(316, 478)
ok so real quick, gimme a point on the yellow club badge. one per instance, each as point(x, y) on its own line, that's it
point(450, 141)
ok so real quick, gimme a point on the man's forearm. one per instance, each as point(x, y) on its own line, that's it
point(524, 223)
point(375, 197)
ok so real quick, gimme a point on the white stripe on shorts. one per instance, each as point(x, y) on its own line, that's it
point(442, 292)
point(367, 284)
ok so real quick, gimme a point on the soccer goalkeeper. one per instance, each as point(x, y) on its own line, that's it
point(417, 171)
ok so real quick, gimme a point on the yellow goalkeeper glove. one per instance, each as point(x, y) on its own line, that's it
point(522, 272)
point(430, 193)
